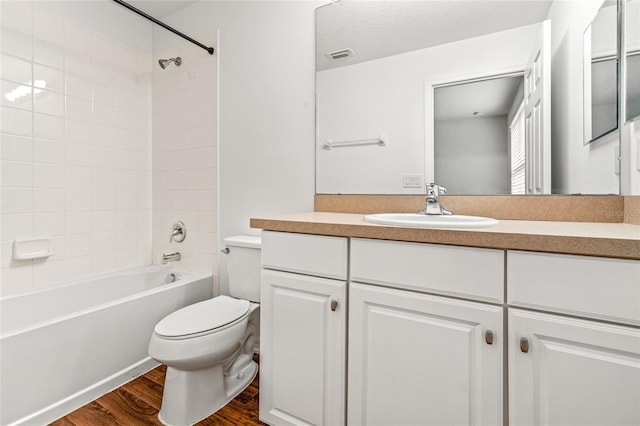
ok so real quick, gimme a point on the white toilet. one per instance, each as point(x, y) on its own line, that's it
point(208, 347)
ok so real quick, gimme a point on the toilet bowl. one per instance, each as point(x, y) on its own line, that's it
point(208, 347)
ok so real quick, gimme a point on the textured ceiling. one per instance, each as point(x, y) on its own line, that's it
point(375, 29)
point(489, 97)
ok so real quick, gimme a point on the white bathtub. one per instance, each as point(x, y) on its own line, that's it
point(63, 347)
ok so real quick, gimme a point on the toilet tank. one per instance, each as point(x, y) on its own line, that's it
point(243, 266)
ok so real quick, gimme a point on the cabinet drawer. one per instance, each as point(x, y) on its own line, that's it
point(308, 254)
point(455, 271)
point(579, 285)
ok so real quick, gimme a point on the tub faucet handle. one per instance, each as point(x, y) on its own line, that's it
point(179, 232)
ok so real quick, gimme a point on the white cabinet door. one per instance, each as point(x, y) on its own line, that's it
point(574, 372)
point(302, 350)
point(416, 359)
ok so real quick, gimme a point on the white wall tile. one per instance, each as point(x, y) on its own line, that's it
point(48, 127)
point(77, 38)
point(48, 175)
point(77, 86)
point(48, 200)
point(15, 280)
point(16, 95)
point(78, 131)
point(102, 178)
point(47, 273)
point(103, 242)
point(46, 102)
point(104, 93)
point(77, 222)
point(104, 114)
point(78, 200)
point(103, 48)
point(77, 267)
point(103, 263)
point(77, 154)
point(16, 200)
point(77, 63)
point(16, 148)
point(78, 177)
point(48, 77)
point(48, 26)
point(16, 226)
point(48, 151)
point(103, 221)
point(48, 53)
point(77, 245)
point(17, 15)
point(15, 69)
point(15, 43)
point(15, 121)
point(103, 199)
point(17, 174)
point(49, 224)
point(126, 199)
point(78, 109)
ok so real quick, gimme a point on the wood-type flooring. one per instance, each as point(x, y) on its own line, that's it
point(138, 403)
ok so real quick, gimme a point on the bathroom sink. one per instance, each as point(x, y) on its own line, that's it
point(430, 221)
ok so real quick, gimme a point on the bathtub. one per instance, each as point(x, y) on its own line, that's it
point(63, 347)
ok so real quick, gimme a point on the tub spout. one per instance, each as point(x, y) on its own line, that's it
point(173, 257)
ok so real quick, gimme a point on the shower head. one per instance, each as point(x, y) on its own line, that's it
point(164, 63)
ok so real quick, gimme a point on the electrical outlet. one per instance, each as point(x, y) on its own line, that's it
point(412, 181)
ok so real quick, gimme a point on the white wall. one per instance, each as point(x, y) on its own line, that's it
point(576, 168)
point(472, 155)
point(388, 95)
point(76, 156)
point(266, 106)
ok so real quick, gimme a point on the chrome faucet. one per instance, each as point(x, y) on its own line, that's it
point(173, 257)
point(179, 232)
point(433, 200)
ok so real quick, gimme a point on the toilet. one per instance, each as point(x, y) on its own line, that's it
point(208, 347)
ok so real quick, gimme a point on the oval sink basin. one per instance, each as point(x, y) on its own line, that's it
point(430, 221)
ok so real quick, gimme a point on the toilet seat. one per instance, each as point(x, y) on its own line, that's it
point(203, 318)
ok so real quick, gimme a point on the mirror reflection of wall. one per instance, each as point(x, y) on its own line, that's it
point(632, 52)
point(479, 136)
point(398, 48)
point(601, 73)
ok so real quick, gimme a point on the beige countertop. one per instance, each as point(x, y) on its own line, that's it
point(620, 240)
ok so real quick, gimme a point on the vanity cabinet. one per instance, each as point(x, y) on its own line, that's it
point(565, 370)
point(424, 359)
point(303, 329)
point(427, 339)
point(417, 359)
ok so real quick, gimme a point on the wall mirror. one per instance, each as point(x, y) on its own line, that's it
point(601, 73)
point(632, 59)
point(382, 68)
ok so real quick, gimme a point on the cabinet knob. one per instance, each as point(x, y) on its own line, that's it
point(524, 345)
point(334, 305)
point(488, 337)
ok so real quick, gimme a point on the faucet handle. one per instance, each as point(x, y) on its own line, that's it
point(437, 189)
point(179, 232)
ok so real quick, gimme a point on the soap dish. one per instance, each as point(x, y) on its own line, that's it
point(32, 249)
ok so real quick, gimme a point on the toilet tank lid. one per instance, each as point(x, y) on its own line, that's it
point(250, 241)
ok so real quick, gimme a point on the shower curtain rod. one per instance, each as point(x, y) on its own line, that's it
point(163, 25)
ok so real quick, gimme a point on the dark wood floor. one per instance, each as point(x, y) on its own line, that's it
point(138, 403)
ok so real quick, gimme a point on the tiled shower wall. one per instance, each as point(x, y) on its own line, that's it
point(76, 148)
point(185, 155)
